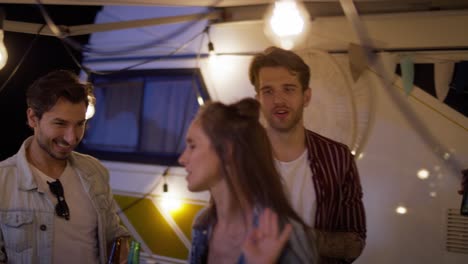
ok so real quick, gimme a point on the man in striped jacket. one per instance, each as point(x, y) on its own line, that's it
point(320, 174)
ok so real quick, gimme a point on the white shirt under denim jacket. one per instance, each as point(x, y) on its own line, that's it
point(300, 248)
point(27, 216)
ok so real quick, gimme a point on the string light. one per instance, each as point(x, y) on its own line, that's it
point(3, 51)
point(170, 204)
point(423, 174)
point(164, 175)
point(401, 210)
point(287, 23)
point(91, 110)
point(200, 100)
point(212, 57)
point(211, 50)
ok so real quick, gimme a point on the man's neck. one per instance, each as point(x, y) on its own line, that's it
point(40, 159)
point(289, 145)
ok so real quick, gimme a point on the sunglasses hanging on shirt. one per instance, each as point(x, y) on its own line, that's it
point(61, 209)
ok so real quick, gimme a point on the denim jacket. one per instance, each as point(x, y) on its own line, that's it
point(27, 215)
point(300, 248)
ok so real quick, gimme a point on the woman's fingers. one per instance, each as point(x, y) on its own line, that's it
point(285, 234)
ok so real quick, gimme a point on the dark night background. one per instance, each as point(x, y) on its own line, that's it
point(46, 54)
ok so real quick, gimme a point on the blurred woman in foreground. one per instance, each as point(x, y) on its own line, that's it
point(249, 219)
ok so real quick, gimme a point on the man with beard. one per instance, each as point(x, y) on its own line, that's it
point(319, 174)
point(56, 205)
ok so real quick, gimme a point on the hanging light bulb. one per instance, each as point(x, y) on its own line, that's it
point(170, 204)
point(212, 57)
point(287, 23)
point(200, 100)
point(169, 201)
point(164, 175)
point(211, 50)
point(3, 51)
point(91, 107)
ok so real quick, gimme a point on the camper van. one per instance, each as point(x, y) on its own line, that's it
point(388, 79)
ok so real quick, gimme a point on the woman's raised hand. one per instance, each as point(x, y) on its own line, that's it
point(264, 243)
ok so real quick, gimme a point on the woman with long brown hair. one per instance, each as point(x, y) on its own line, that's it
point(249, 218)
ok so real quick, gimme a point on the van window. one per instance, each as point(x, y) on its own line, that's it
point(142, 116)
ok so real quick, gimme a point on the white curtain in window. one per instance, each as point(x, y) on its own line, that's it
point(115, 126)
point(169, 106)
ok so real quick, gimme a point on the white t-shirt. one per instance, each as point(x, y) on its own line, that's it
point(75, 240)
point(297, 177)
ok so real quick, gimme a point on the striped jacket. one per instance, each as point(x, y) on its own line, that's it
point(337, 187)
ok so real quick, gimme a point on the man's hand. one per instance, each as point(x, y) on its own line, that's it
point(264, 244)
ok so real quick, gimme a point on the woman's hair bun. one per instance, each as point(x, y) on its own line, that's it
point(247, 108)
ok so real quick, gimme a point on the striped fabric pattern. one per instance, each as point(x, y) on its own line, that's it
point(337, 186)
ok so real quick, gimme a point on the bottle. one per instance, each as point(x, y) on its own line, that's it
point(114, 257)
point(464, 205)
point(130, 253)
point(134, 256)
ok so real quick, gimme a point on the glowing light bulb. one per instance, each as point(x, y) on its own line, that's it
point(423, 174)
point(286, 19)
point(171, 204)
point(91, 108)
point(361, 155)
point(401, 210)
point(200, 100)
point(287, 23)
point(3, 51)
point(446, 156)
point(90, 111)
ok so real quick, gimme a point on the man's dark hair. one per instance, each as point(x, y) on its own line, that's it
point(43, 94)
point(276, 57)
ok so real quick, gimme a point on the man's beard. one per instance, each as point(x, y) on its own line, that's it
point(49, 151)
